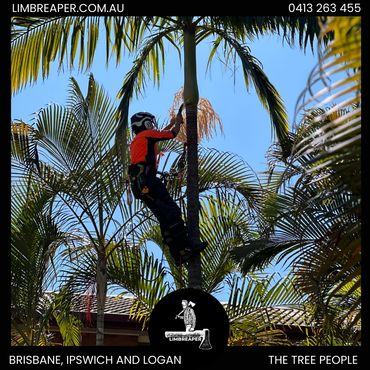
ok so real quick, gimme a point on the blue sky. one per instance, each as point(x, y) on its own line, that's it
point(246, 124)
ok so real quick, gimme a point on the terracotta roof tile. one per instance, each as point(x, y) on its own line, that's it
point(283, 315)
point(113, 304)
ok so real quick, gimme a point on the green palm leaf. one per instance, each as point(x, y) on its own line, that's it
point(38, 42)
point(251, 303)
point(36, 236)
point(253, 72)
point(314, 225)
point(148, 64)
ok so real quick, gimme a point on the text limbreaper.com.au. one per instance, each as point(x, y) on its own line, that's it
point(67, 8)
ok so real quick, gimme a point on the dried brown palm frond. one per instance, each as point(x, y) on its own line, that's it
point(208, 119)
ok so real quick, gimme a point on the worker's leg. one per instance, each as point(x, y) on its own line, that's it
point(162, 205)
point(168, 213)
point(165, 209)
point(158, 200)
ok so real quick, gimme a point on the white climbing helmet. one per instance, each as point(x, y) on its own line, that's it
point(143, 121)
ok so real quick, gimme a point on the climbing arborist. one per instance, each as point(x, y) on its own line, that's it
point(149, 188)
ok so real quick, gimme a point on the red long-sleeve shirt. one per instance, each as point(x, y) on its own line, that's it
point(143, 147)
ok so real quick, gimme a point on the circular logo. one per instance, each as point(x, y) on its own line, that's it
point(189, 319)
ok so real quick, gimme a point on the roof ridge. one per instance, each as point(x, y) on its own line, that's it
point(85, 294)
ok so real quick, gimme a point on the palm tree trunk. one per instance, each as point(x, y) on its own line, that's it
point(191, 97)
point(101, 292)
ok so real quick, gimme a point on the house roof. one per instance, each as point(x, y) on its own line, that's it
point(283, 316)
point(120, 306)
point(115, 305)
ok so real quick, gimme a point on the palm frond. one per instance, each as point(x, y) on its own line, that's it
point(148, 64)
point(38, 42)
point(35, 239)
point(251, 304)
point(207, 118)
point(69, 324)
point(338, 100)
point(225, 224)
point(315, 224)
point(218, 168)
point(253, 72)
point(304, 29)
point(78, 162)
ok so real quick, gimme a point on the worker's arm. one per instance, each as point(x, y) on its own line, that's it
point(175, 124)
point(172, 122)
point(156, 135)
point(166, 134)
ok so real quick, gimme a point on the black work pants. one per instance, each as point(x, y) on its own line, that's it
point(165, 209)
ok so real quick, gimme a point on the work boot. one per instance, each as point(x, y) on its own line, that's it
point(181, 247)
point(180, 256)
point(175, 233)
point(184, 255)
point(167, 238)
point(198, 247)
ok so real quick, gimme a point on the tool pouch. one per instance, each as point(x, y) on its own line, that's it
point(137, 175)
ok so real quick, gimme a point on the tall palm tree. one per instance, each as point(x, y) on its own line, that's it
point(225, 223)
point(69, 152)
point(36, 42)
point(36, 236)
point(229, 196)
point(316, 223)
point(314, 226)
